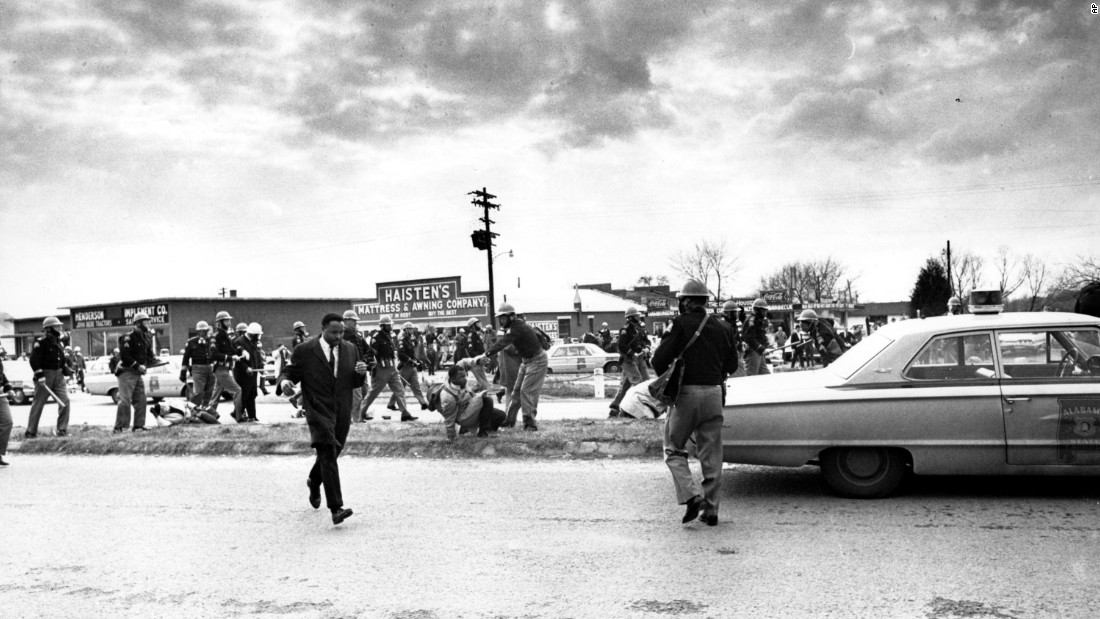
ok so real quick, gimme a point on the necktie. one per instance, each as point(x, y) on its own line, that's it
point(332, 359)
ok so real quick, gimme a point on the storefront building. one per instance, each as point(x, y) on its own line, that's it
point(438, 302)
point(97, 328)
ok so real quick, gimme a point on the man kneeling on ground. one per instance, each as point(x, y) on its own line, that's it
point(467, 406)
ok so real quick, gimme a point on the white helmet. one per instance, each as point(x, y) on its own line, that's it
point(202, 326)
point(386, 319)
point(255, 329)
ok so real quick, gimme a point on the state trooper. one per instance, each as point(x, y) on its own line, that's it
point(385, 373)
point(242, 329)
point(475, 345)
point(604, 336)
point(633, 344)
point(954, 306)
point(79, 366)
point(409, 366)
point(300, 334)
point(366, 355)
point(730, 311)
point(136, 356)
point(196, 359)
point(248, 368)
point(51, 368)
point(828, 345)
point(224, 354)
point(754, 334)
point(460, 343)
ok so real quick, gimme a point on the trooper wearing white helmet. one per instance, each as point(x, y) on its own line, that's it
point(532, 370)
point(709, 354)
point(604, 335)
point(79, 365)
point(385, 372)
point(476, 345)
point(249, 370)
point(754, 335)
point(954, 306)
point(461, 344)
point(633, 346)
point(51, 367)
point(225, 354)
point(366, 355)
point(824, 339)
point(409, 366)
point(300, 333)
point(197, 360)
point(136, 351)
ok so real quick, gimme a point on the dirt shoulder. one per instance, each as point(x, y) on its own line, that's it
point(572, 438)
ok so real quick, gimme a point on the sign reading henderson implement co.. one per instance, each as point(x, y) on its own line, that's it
point(423, 300)
point(118, 316)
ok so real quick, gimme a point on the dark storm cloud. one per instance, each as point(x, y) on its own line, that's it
point(489, 62)
point(898, 94)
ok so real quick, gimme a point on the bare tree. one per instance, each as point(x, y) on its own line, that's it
point(787, 277)
point(709, 262)
point(1083, 270)
point(821, 277)
point(1010, 271)
point(1035, 275)
point(662, 280)
point(966, 272)
point(810, 280)
point(645, 280)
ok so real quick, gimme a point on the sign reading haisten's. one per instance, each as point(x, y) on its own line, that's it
point(423, 300)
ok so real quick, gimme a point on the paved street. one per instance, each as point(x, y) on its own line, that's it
point(131, 536)
point(100, 411)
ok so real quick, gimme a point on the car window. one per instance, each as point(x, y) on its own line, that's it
point(868, 348)
point(1054, 353)
point(593, 349)
point(953, 357)
point(561, 351)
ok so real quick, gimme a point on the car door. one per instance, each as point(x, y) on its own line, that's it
point(1051, 395)
point(560, 361)
point(581, 354)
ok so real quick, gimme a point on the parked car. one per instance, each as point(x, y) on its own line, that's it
point(573, 358)
point(21, 377)
point(160, 382)
point(977, 394)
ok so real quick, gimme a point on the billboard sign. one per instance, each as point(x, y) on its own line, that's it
point(423, 300)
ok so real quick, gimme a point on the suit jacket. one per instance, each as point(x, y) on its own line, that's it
point(326, 398)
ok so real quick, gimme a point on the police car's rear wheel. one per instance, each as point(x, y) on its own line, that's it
point(611, 367)
point(863, 472)
point(114, 395)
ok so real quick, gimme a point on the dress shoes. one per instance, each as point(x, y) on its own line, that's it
point(392, 407)
point(314, 495)
point(341, 515)
point(711, 520)
point(423, 406)
point(62, 433)
point(614, 412)
point(508, 424)
point(693, 506)
point(530, 427)
point(2, 462)
point(482, 434)
point(385, 416)
point(30, 435)
point(408, 418)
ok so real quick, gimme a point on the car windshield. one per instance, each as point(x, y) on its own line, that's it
point(867, 348)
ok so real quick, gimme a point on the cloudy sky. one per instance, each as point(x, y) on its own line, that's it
point(313, 148)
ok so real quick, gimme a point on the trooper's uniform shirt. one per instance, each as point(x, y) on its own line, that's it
point(384, 349)
point(48, 354)
point(223, 350)
point(632, 341)
point(299, 338)
point(476, 346)
point(366, 355)
point(406, 353)
point(460, 342)
point(136, 348)
point(605, 338)
point(197, 351)
point(756, 333)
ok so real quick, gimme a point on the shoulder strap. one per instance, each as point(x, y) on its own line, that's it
point(697, 332)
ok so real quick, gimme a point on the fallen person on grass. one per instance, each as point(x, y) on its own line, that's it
point(464, 404)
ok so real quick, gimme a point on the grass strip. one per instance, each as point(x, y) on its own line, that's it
point(571, 438)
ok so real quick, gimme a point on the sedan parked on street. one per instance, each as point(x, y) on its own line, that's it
point(160, 382)
point(976, 394)
point(577, 358)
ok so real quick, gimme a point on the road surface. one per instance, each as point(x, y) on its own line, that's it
point(132, 536)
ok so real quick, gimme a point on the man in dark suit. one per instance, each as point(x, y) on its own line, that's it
point(329, 370)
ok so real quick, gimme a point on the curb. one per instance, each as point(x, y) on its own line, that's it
point(434, 449)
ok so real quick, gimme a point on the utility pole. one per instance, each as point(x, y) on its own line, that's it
point(950, 286)
point(483, 239)
point(222, 292)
